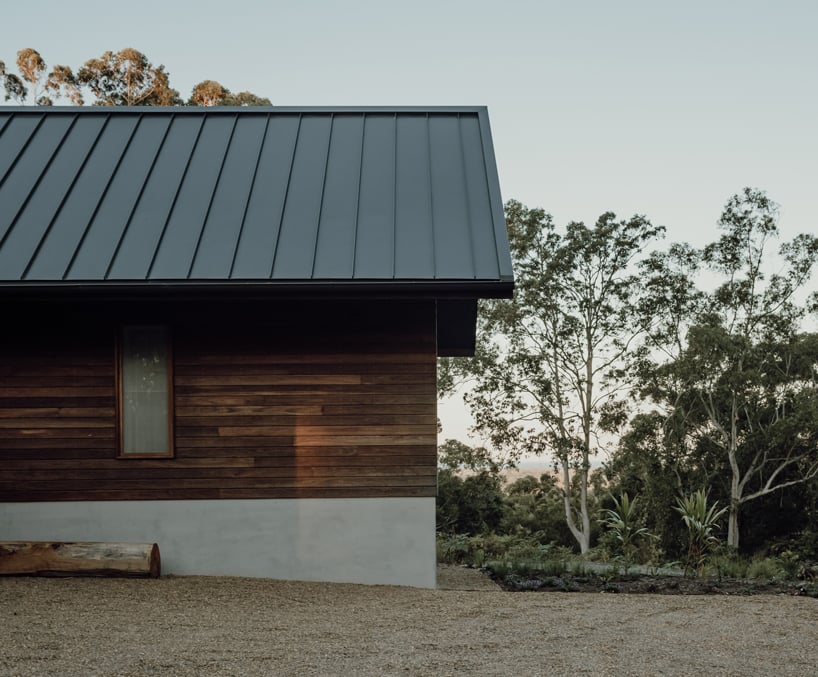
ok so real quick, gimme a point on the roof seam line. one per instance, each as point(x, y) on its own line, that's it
point(65, 196)
point(39, 180)
point(102, 196)
point(138, 199)
point(323, 190)
point(175, 198)
point(212, 196)
point(395, 202)
point(358, 197)
point(249, 197)
point(286, 194)
point(469, 227)
point(431, 196)
point(22, 148)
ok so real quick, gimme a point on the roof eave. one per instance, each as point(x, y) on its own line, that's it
point(281, 289)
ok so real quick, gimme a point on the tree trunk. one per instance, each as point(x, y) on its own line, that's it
point(585, 543)
point(732, 524)
point(735, 499)
point(581, 535)
point(40, 558)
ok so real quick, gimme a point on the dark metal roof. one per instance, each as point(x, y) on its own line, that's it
point(302, 198)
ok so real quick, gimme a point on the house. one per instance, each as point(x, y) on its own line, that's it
point(220, 329)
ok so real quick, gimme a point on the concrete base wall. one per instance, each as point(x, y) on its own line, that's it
point(357, 540)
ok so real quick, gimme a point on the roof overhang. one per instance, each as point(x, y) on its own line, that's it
point(455, 302)
point(251, 289)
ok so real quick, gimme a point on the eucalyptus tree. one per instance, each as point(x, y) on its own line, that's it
point(35, 83)
point(123, 78)
point(127, 78)
point(550, 374)
point(212, 93)
point(739, 375)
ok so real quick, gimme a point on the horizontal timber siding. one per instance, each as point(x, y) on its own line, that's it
point(281, 401)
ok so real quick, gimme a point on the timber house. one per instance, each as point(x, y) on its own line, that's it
point(220, 329)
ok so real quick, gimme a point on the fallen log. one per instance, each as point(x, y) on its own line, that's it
point(46, 558)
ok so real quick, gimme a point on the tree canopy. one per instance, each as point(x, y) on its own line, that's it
point(36, 84)
point(123, 78)
point(549, 372)
point(211, 93)
point(695, 368)
point(127, 78)
point(742, 382)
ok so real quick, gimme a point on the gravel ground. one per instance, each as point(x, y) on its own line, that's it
point(238, 626)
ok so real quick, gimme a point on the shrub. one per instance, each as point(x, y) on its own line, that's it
point(701, 521)
point(621, 523)
point(767, 568)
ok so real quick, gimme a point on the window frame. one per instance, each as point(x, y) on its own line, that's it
point(120, 428)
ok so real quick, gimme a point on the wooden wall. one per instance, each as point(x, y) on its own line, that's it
point(271, 401)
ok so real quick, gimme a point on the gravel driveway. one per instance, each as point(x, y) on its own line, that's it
point(237, 626)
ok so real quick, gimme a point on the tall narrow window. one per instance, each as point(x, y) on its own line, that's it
point(145, 394)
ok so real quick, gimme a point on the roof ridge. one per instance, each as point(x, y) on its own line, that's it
point(247, 110)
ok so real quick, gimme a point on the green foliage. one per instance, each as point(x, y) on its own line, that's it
point(456, 456)
point(790, 564)
point(622, 522)
point(651, 461)
point(701, 521)
point(766, 568)
point(731, 369)
point(548, 373)
point(543, 567)
point(509, 556)
point(468, 505)
point(534, 507)
point(469, 490)
point(729, 564)
point(726, 562)
point(477, 550)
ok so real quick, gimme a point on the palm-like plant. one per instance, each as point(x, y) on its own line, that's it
point(622, 522)
point(701, 522)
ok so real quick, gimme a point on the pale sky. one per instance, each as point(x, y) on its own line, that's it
point(646, 106)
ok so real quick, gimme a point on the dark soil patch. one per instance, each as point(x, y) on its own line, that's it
point(656, 585)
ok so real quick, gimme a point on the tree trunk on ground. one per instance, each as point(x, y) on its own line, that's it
point(40, 558)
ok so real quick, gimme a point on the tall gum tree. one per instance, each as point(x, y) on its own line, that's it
point(212, 93)
point(738, 373)
point(123, 78)
point(36, 84)
point(127, 78)
point(550, 374)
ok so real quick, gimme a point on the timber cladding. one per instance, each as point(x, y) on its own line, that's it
point(271, 401)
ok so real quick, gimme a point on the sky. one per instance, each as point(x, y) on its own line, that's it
point(637, 106)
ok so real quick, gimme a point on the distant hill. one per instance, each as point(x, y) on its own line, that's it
point(533, 469)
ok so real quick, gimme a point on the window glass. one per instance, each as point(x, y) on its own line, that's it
point(144, 390)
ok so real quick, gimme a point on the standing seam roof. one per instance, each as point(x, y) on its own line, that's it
point(138, 195)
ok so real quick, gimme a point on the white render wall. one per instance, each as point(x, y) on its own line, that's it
point(349, 540)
